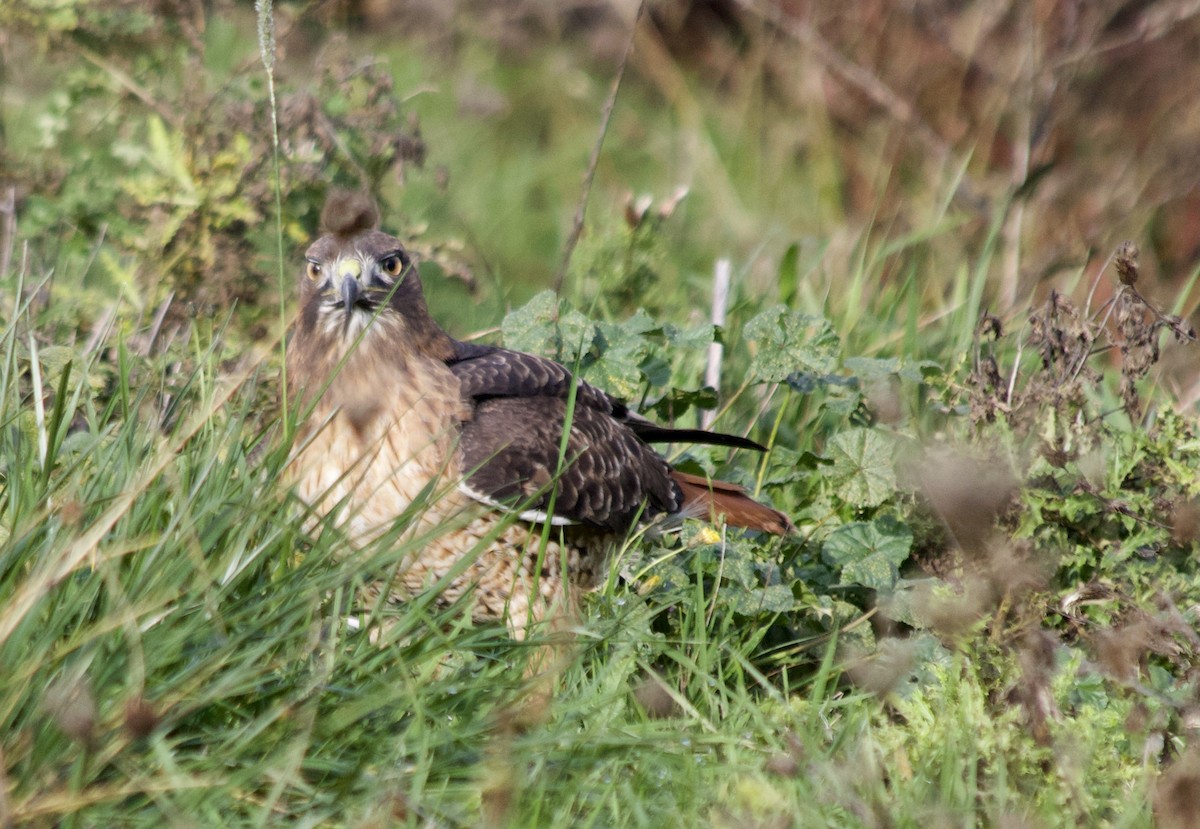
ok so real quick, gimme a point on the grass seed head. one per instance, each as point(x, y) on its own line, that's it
point(1125, 261)
point(140, 718)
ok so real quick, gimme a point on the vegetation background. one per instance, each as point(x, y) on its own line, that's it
point(979, 402)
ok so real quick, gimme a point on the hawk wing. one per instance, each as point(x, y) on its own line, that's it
point(487, 372)
point(510, 447)
point(490, 371)
point(608, 476)
point(511, 453)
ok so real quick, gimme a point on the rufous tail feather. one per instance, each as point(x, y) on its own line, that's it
point(705, 498)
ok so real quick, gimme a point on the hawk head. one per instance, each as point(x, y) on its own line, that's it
point(360, 285)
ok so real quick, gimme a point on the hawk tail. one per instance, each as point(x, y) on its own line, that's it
point(706, 499)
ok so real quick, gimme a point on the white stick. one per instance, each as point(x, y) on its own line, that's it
point(712, 375)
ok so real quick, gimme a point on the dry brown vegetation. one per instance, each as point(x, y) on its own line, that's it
point(1080, 114)
point(1074, 122)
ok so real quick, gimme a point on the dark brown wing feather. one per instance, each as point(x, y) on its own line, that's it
point(510, 451)
point(489, 371)
point(609, 477)
point(651, 432)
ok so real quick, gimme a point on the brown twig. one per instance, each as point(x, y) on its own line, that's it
point(590, 175)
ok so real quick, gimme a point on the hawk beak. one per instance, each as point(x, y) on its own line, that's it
point(351, 291)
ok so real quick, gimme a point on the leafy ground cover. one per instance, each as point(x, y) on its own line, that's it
point(987, 617)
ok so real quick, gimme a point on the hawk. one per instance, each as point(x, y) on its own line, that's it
point(396, 411)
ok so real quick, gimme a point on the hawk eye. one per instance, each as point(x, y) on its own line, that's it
point(392, 264)
point(314, 271)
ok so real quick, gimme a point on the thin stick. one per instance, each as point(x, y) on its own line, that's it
point(8, 228)
point(720, 301)
point(1087, 307)
point(1012, 379)
point(1111, 305)
point(605, 119)
point(266, 50)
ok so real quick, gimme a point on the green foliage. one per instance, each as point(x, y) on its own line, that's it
point(173, 185)
point(869, 554)
point(632, 360)
point(1003, 631)
point(620, 268)
point(790, 343)
point(862, 467)
point(628, 359)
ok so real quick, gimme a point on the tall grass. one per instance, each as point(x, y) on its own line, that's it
point(176, 651)
point(175, 641)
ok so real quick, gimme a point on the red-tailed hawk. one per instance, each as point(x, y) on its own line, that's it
point(397, 408)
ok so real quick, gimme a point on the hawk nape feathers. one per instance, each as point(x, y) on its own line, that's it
point(395, 408)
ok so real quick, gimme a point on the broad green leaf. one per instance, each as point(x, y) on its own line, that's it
point(640, 323)
point(869, 553)
point(873, 368)
point(623, 348)
point(870, 368)
point(739, 569)
point(776, 598)
point(624, 358)
point(533, 328)
point(790, 465)
point(54, 359)
point(806, 382)
point(577, 338)
point(862, 474)
point(677, 401)
point(789, 342)
point(908, 599)
point(694, 337)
